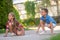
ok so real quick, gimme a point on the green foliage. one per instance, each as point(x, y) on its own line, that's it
point(5, 8)
point(57, 37)
point(17, 16)
point(30, 9)
point(31, 22)
point(46, 3)
point(2, 31)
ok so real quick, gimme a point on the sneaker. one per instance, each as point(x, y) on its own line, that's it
point(12, 33)
point(43, 32)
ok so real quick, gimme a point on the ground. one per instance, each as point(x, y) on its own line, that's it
point(31, 35)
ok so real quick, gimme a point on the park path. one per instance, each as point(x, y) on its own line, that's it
point(31, 35)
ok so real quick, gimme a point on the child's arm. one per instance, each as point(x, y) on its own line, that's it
point(6, 32)
point(51, 27)
point(41, 18)
point(7, 29)
point(38, 28)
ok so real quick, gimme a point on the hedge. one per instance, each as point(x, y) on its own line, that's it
point(5, 8)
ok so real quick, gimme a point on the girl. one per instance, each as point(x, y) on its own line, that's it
point(14, 26)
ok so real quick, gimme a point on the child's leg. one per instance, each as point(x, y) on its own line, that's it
point(21, 32)
point(41, 25)
point(51, 27)
point(10, 28)
point(38, 28)
point(15, 30)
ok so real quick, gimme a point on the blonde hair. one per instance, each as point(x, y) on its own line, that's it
point(11, 13)
point(14, 20)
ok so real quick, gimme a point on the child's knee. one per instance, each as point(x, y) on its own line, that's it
point(42, 22)
point(20, 33)
point(50, 26)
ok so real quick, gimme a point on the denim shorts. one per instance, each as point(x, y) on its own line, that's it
point(54, 25)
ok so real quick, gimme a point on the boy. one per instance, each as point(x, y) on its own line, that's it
point(46, 19)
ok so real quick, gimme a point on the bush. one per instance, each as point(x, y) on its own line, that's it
point(16, 14)
point(5, 8)
point(30, 9)
point(31, 22)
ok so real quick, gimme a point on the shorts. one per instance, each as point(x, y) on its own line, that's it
point(54, 25)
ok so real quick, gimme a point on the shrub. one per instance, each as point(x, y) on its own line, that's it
point(31, 22)
point(30, 9)
point(16, 14)
point(5, 8)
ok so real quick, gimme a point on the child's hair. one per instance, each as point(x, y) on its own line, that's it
point(14, 20)
point(45, 9)
point(11, 13)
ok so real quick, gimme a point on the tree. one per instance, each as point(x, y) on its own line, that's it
point(30, 9)
point(45, 3)
point(5, 7)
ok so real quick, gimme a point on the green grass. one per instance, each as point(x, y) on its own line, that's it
point(56, 37)
point(2, 31)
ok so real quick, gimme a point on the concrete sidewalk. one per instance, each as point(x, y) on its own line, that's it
point(31, 35)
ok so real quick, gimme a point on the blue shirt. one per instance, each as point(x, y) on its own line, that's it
point(48, 19)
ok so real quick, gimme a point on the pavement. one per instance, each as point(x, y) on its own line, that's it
point(32, 35)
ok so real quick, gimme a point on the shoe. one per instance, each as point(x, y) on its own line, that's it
point(12, 33)
point(43, 32)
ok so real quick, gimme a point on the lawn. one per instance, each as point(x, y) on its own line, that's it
point(2, 31)
point(56, 37)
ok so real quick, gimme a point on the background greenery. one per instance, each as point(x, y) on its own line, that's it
point(30, 9)
point(31, 22)
point(6, 6)
point(17, 16)
point(55, 37)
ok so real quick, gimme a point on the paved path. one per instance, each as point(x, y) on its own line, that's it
point(30, 35)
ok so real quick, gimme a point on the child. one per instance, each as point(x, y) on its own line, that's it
point(46, 19)
point(13, 25)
